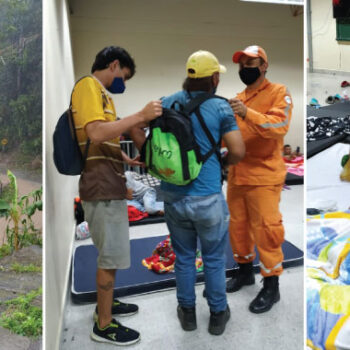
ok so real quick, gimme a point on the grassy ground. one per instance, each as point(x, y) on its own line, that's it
point(21, 291)
point(21, 316)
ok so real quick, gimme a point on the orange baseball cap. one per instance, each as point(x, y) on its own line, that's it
point(251, 51)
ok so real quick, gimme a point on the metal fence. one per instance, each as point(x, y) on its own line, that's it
point(129, 148)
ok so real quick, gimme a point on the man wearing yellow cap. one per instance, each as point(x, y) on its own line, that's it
point(263, 111)
point(199, 210)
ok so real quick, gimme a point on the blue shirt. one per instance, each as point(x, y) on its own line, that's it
point(219, 119)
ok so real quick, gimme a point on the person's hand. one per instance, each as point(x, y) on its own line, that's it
point(238, 107)
point(134, 161)
point(152, 110)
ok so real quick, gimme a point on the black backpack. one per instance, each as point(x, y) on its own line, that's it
point(67, 155)
point(170, 151)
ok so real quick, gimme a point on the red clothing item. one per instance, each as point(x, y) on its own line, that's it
point(269, 111)
point(134, 214)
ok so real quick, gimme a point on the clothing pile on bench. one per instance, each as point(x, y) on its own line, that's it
point(319, 128)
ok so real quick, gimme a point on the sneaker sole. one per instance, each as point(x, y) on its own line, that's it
point(99, 339)
point(95, 316)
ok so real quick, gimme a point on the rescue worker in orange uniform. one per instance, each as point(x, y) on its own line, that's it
point(263, 112)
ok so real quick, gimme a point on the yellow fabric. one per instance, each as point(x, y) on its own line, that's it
point(103, 176)
point(330, 342)
point(342, 256)
point(345, 174)
point(269, 111)
point(91, 102)
point(203, 64)
point(335, 299)
point(324, 253)
point(311, 345)
point(313, 273)
point(334, 215)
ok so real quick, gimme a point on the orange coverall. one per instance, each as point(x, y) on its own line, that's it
point(255, 183)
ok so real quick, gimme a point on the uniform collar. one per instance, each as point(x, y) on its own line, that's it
point(104, 89)
point(262, 86)
point(249, 93)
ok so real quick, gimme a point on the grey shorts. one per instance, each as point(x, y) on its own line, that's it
point(109, 228)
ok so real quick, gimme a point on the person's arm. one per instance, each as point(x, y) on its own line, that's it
point(99, 131)
point(137, 134)
point(235, 147)
point(272, 124)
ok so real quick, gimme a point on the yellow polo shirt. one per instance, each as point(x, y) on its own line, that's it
point(103, 176)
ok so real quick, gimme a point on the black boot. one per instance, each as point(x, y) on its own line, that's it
point(218, 320)
point(268, 295)
point(187, 317)
point(244, 277)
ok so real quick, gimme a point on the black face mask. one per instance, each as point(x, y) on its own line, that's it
point(249, 75)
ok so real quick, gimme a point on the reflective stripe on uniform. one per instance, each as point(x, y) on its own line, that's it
point(278, 125)
point(270, 270)
point(243, 256)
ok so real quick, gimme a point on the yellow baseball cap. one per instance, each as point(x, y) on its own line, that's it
point(203, 64)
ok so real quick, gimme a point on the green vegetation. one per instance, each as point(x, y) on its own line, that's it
point(21, 77)
point(5, 250)
point(7, 194)
point(21, 317)
point(19, 268)
point(25, 268)
point(20, 230)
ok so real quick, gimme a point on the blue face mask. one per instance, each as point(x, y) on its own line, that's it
point(117, 86)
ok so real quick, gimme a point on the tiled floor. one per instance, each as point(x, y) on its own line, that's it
point(279, 329)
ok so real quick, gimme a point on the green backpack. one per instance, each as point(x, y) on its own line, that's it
point(170, 151)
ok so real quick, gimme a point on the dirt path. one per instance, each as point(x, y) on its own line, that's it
point(24, 187)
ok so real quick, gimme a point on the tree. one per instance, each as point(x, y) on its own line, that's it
point(21, 75)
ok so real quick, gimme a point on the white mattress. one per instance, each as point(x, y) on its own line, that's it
point(323, 181)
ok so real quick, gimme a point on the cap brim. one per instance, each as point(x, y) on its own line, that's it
point(237, 55)
point(222, 69)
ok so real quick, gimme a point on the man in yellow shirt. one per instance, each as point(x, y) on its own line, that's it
point(102, 185)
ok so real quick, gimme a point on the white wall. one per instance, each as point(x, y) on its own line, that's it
point(161, 34)
point(59, 190)
point(328, 53)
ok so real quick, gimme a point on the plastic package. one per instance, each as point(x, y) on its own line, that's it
point(82, 231)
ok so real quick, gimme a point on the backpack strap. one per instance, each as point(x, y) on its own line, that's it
point(177, 103)
point(86, 151)
point(71, 95)
point(194, 107)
